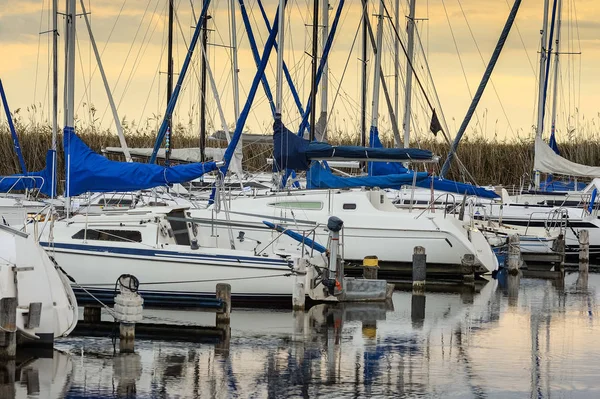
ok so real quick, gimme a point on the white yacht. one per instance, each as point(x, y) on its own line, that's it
point(174, 263)
point(372, 226)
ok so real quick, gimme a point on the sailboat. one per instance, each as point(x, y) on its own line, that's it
point(373, 225)
point(46, 304)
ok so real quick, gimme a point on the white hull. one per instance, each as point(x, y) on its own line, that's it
point(374, 226)
point(176, 272)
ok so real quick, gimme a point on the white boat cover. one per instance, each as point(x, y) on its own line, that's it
point(547, 161)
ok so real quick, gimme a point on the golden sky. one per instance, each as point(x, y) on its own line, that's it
point(132, 37)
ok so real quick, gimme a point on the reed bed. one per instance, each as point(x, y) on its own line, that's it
point(490, 161)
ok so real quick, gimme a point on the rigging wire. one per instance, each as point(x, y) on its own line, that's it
point(37, 61)
point(485, 65)
point(462, 67)
point(104, 48)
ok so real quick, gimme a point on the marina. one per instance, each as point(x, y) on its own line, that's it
point(320, 234)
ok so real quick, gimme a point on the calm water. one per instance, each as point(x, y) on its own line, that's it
point(520, 339)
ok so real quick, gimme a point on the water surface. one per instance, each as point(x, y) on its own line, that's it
point(517, 338)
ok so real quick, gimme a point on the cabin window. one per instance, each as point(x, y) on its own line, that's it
point(349, 207)
point(109, 235)
point(116, 202)
point(306, 205)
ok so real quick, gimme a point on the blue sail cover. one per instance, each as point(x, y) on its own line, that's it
point(319, 177)
point(452, 186)
point(41, 180)
point(88, 171)
point(396, 168)
point(294, 152)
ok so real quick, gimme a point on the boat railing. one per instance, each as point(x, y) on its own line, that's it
point(555, 218)
point(23, 179)
point(447, 202)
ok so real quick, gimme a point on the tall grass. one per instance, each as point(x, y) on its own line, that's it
point(490, 161)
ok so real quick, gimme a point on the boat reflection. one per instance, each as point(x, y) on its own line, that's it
point(523, 338)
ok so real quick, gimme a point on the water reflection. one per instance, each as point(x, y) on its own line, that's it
point(512, 338)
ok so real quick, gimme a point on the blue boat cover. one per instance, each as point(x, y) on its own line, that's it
point(88, 171)
point(319, 177)
point(41, 180)
point(551, 185)
point(391, 168)
point(452, 186)
point(293, 152)
point(296, 236)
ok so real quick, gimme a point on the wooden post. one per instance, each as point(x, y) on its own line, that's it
point(419, 269)
point(514, 254)
point(299, 292)
point(8, 328)
point(224, 293)
point(222, 347)
point(468, 268)
point(127, 337)
point(370, 267)
point(417, 309)
point(7, 379)
point(91, 314)
point(584, 251)
point(559, 248)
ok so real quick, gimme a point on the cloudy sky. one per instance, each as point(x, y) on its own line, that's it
point(457, 36)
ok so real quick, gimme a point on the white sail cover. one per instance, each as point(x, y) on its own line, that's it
point(547, 161)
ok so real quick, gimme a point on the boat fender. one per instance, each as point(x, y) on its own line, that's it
point(128, 303)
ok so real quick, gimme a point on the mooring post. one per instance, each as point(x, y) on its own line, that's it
point(8, 328)
point(299, 292)
point(370, 267)
point(91, 314)
point(560, 249)
point(126, 337)
point(419, 269)
point(468, 268)
point(224, 294)
point(514, 254)
point(7, 379)
point(128, 310)
point(584, 251)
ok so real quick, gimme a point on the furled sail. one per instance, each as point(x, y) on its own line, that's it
point(88, 171)
point(177, 154)
point(294, 152)
point(547, 161)
point(319, 177)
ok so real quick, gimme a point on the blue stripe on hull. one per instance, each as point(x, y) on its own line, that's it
point(163, 253)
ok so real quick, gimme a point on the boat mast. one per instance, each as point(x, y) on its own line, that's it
point(54, 92)
point(324, 76)
point(397, 60)
point(363, 72)
point(410, 27)
point(234, 60)
point(377, 66)
point(541, 79)
point(69, 100)
point(279, 76)
point(236, 89)
point(556, 67)
point(203, 91)
point(169, 80)
point(313, 85)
